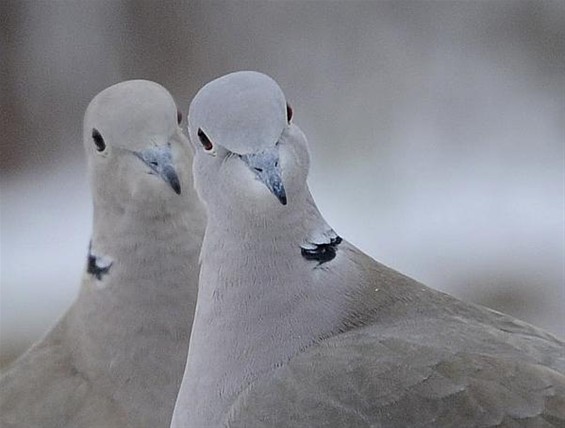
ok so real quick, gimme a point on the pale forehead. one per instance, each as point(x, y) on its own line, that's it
point(130, 112)
point(244, 111)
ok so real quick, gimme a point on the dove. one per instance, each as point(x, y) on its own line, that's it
point(116, 357)
point(295, 327)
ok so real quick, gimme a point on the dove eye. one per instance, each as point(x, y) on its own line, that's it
point(98, 140)
point(204, 140)
point(288, 112)
point(179, 117)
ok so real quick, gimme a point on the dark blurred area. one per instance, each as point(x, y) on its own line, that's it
point(436, 130)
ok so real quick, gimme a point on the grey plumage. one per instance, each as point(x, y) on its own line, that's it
point(116, 357)
point(422, 359)
point(288, 335)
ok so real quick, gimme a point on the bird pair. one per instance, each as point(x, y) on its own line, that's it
point(291, 326)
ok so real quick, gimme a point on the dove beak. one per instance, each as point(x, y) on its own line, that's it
point(160, 160)
point(265, 166)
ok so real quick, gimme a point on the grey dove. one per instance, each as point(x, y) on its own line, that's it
point(116, 358)
point(295, 327)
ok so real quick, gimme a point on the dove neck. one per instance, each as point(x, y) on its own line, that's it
point(140, 309)
point(259, 304)
point(241, 221)
point(130, 241)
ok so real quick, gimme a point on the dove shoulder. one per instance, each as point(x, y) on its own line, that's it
point(45, 388)
point(412, 356)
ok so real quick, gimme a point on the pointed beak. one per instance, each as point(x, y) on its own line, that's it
point(265, 166)
point(160, 160)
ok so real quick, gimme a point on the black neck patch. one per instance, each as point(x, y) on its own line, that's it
point(322, 253)
point(97, 266)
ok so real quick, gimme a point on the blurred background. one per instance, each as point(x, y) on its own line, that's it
point(436, 129)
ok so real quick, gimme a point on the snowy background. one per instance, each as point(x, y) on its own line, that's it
point(437, 132)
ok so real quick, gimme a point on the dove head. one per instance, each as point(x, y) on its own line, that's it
point(134, 144)
point(249, 155)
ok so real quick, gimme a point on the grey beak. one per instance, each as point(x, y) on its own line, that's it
point(160, 160)
point(265, 166)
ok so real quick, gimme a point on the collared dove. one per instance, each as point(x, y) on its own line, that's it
point(116, 358)
point(295, 327)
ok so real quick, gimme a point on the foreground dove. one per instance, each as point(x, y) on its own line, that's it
point(295, 327)
point(116, 358)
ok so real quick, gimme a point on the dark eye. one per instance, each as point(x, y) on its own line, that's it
point(179, 117)
point(288, 112)
point(98, 140)
point(206, 143)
